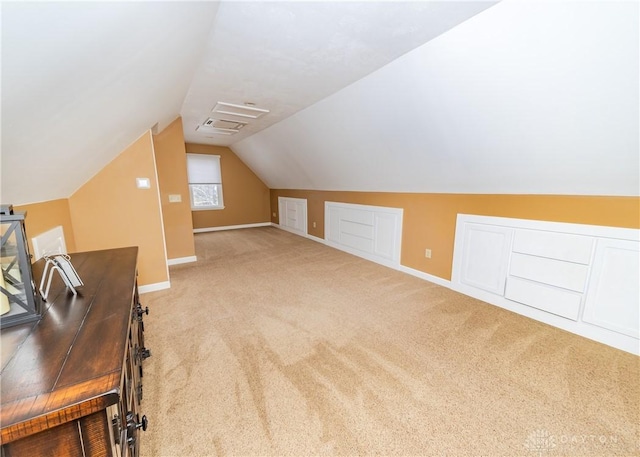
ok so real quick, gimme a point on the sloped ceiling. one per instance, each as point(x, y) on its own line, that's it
point(526, 97)
point(82, 80)
point(285, 56)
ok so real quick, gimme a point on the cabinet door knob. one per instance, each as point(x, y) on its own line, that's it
point(142, 311)
point(134, 423)
point(143, 423)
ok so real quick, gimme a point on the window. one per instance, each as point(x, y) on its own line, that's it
point(205, 181)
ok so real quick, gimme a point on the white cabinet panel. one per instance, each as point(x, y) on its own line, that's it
point(582, 278)
point(293, 214)
point(387, 234)
point(613, 298)
point(372, 232)
point(359, 216)
point(561, 302)
point(557, 273)
point(356, 242)
point(485, 255)
point(332, 221)
point(353, 228)
point(554, 245)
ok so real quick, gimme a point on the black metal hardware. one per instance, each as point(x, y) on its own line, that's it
point(139, 312)
point(144, 423)
point(132, 426)
point(142, 311)
point(134, 423)
point(115, 422)
point(141, 354)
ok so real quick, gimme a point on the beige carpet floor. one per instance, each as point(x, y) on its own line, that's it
point(274, 345)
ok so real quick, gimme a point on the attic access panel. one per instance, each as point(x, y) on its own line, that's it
point(230, 109)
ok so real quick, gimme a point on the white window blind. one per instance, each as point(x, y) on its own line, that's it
point(205, 181)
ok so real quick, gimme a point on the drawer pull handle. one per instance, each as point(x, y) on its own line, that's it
point(142, 311)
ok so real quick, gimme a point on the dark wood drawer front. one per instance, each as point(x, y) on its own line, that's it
point(86, 436)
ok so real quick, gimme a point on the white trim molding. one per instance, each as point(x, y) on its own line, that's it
point(231, 227)
point(304, 235)
point(180, 260)
point(426, 276)
point(154, 287)
point(316, 239)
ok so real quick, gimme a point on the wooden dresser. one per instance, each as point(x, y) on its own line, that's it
point(71, 383)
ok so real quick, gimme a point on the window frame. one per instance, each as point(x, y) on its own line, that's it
point(208, 181)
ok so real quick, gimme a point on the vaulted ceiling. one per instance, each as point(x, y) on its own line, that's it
point(437, 96)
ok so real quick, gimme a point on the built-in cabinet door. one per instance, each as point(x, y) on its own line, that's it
point(485, 257)
point(293, 214)
point(371, 232)
point(613, 297)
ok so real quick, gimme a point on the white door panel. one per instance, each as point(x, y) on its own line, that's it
point(485, 255)
point(613, 298)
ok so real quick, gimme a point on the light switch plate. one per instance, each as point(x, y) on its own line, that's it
point(175, 198)
point(143, 183)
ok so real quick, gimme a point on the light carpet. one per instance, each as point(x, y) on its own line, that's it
point(275, 345)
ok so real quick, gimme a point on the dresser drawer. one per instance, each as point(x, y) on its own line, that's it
point(551, 299)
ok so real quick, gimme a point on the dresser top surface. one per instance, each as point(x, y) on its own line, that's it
point(75, 352)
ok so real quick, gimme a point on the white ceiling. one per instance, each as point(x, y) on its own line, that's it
point(285, 56)
point(537, 97)
point(83, 80)
point(524, 97)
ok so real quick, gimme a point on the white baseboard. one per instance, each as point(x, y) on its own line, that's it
point(306, 235)
point(179, 260)
point(363, 255)
point(399, 267)
point(316, 239)
point(426, 276)
point(287, 229)
point(231, 227)
point(154, 287)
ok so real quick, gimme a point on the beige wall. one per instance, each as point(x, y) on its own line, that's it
point(44, 216)
point(429, 219)
point(246, 198)
point(109, 211)
point(171, 162)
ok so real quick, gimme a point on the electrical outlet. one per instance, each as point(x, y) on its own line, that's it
point(314, 225)
point(427, 253)
point(273, 214)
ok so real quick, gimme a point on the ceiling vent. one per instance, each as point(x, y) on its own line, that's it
point(218, 131)
point(247, 112)
point(224, 124)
